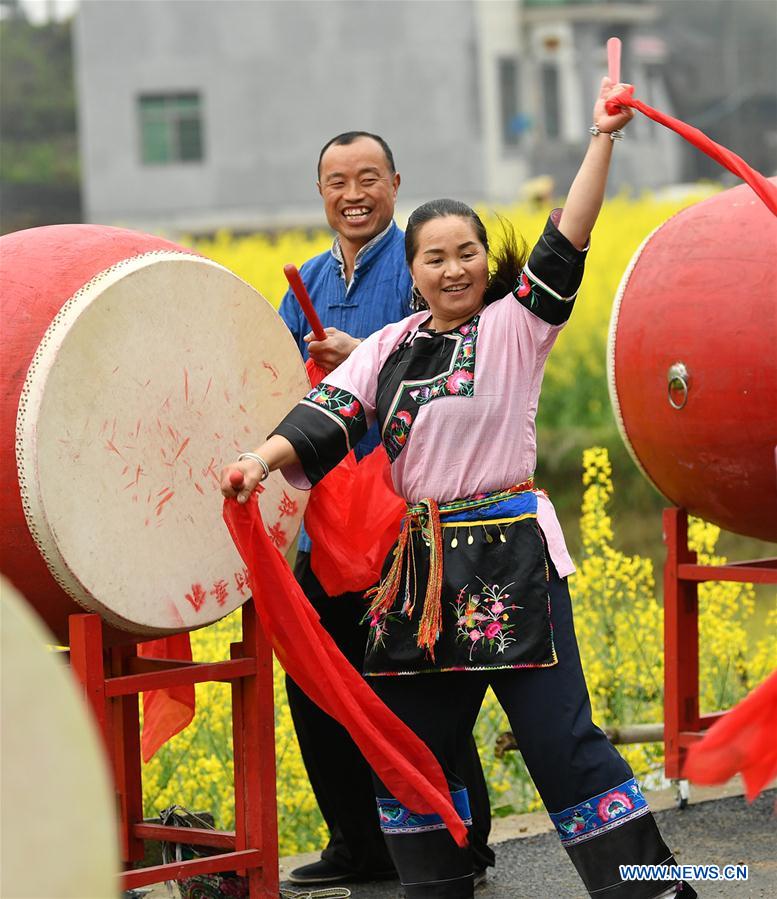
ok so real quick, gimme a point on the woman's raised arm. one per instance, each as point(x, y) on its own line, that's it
point(587, 191)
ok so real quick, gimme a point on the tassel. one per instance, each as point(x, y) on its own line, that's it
point(411, 589)
point(384, 595)
point(431, 619)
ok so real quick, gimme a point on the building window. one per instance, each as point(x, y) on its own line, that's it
point(551, 99)
point(170, 128)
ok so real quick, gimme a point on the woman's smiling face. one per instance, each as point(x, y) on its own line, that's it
point(450, 270)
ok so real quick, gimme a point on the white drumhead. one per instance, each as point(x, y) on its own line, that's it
point(58, 818)
point(149, 380)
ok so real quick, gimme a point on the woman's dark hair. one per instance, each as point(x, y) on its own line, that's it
point(505, 263)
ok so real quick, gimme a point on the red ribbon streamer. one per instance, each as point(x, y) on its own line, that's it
point(310, 656)
point(764, 188)
point(743, 740)
point(353, 518)
point(316, 373)
point(166, 712)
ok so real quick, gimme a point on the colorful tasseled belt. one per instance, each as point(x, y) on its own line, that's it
point(427, 517)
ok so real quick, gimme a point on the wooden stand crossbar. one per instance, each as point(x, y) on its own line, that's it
point(683, 725)
point(112, 680)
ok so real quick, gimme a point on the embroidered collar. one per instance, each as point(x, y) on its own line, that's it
point(449, 373)
point(463, 328)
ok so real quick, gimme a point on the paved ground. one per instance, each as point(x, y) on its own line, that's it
point(720, 831)
point(718, 827)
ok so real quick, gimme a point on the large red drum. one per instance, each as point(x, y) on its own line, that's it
point(132, 370)
point(692, 361)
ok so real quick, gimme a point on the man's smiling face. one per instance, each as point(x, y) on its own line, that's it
point(358, 188)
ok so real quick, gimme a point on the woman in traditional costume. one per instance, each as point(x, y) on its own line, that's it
point(476, 587)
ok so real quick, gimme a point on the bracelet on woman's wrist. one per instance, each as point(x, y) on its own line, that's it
point(614, 135)
point(256, 458)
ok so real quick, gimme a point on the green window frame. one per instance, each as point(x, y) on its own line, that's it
point(170, 128)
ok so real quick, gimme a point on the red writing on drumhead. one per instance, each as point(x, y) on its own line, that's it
point(287, 505)
point(241, 581)
point(220, 591)
point(197, 597)
point(278, 535)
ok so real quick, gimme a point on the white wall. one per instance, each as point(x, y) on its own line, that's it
point(277, 81)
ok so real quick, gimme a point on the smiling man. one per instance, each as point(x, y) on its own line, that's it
point(357, 287)
point(362, 283)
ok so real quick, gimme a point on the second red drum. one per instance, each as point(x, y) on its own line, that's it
point(692, 361)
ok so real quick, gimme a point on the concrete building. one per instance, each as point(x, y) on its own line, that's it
point(197, 114)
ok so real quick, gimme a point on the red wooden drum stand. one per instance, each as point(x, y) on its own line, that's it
point(683, 725)
point(112, 680)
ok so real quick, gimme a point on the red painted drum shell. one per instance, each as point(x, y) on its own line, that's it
point(132, 370)
point(692, 361)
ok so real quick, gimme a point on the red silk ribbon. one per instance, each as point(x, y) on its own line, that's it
point(310, 656)
point(762, 186)
point(168, 711)
point(353, 518)
point(316, 374)
point(743, 740)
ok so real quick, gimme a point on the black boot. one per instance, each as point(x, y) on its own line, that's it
point(431, 865)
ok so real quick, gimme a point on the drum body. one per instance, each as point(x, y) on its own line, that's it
point(132, 371)
point(692, 361)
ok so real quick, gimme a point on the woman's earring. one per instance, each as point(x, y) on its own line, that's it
point(417, 300)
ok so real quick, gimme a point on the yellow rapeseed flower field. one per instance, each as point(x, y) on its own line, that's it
point(618, 615)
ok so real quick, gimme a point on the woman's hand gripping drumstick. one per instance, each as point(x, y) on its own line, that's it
point(586, 194)
point(240, 479)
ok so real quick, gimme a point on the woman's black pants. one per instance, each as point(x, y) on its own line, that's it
point(340, 777)
point(588, 789)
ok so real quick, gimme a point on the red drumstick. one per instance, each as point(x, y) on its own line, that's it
point(614, 59)
point(294, 279)
point(236, 479)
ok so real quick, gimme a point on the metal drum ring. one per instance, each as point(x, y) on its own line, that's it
point(677, 380)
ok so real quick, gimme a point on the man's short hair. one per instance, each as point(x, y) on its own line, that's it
point(348, 137)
